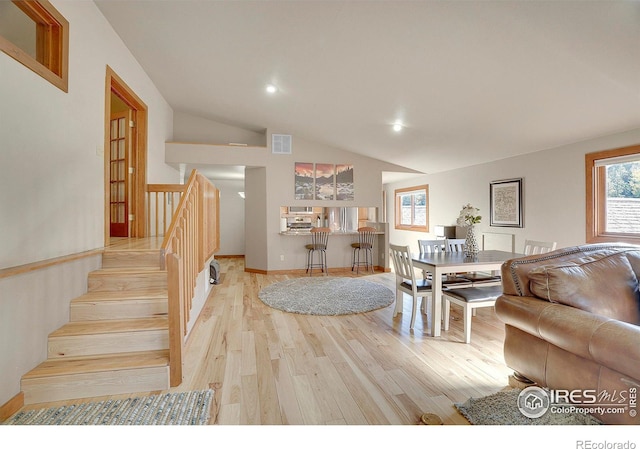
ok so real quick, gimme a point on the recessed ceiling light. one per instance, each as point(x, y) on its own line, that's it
point(272, 89)
point(397, 126)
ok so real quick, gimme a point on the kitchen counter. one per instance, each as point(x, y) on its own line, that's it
point(289, 251)
point(307, 233)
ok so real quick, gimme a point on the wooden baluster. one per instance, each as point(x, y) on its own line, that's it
point(148, 231)
point(163, 215)
point(156, 215)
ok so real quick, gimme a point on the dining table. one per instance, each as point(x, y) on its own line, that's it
point(448, 263)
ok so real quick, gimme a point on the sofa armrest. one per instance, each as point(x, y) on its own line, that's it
point(523, 312)
point(606, 341)
point(616, 344)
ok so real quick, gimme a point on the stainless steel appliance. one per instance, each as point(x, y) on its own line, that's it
point(299, 223)
point(300, 210)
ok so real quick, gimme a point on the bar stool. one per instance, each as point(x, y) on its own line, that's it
point(366, 237)
point(319, 240)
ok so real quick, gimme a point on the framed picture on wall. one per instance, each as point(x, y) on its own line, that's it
point(325, 186)
point(344, 182)
point(304, 181)
point(505, 203)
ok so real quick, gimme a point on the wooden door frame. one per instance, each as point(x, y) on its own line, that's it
point(115, 85)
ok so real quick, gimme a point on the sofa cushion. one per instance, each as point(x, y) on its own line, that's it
point(515, 272)
point(634, 260)
point(604, 285)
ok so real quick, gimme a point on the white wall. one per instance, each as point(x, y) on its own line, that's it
point(191, 128)
point(52, 194)
point(267, 192)
point(200, 295)
point(554, 193)
point(255, 226)
point(52, 184)
point(231, 217)
point(32, 305)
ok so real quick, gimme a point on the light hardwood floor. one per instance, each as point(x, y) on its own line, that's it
point(272, 367)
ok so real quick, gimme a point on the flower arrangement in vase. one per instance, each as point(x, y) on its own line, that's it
point(469, 217)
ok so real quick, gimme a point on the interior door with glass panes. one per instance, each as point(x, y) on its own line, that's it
point(120, 141)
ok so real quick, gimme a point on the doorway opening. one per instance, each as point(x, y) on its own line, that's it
point(125, 150)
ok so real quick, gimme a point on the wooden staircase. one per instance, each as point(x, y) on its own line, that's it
point(117, 340)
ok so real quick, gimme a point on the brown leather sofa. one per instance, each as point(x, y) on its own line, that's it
point(572, 321)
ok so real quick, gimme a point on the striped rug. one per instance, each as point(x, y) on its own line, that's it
point(187, 408)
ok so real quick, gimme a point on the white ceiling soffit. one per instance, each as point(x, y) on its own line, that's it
point(471, 81)
point(217, 172)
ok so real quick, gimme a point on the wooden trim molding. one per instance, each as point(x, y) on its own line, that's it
point(52, 43)
point(398, 212)
point(115, 85)
point(254, 270)
point(11, 407)
point(20, 269)
point(596, 195)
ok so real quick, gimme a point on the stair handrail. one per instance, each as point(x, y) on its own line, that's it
point(190, 241)
point(161, 203)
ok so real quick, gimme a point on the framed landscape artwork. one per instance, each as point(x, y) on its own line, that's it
point(315, 181)
point(506, 203)
point(304, 177)
point(344, 182)
point(325, 182)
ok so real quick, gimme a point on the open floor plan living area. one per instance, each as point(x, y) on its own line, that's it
point(355, 218)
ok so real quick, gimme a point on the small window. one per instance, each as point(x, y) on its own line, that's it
point(412, 209)
point(35, 34)
point(613, 195)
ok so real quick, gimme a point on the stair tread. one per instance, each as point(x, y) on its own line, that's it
point(131, 250)
point(83, 358)
point(118, 295)
point(127, 270)
point(93, 364)
point(111, 326)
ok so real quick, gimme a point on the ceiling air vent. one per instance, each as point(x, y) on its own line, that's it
point(280, 144)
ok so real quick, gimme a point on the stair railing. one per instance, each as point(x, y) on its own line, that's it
point(161, 203)
point(191, 239)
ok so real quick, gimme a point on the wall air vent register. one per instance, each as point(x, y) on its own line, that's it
point(280, 144)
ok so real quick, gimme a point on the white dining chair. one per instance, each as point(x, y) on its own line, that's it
point(469, 299)
point(439, 246)
point(406, 281)
point(431, 246)
point(454, 245)
point(460, 279)
point(538, 247)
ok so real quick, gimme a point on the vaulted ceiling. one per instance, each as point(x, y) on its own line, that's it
point(472, 81)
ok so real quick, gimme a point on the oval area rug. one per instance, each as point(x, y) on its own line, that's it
point(326, 295)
